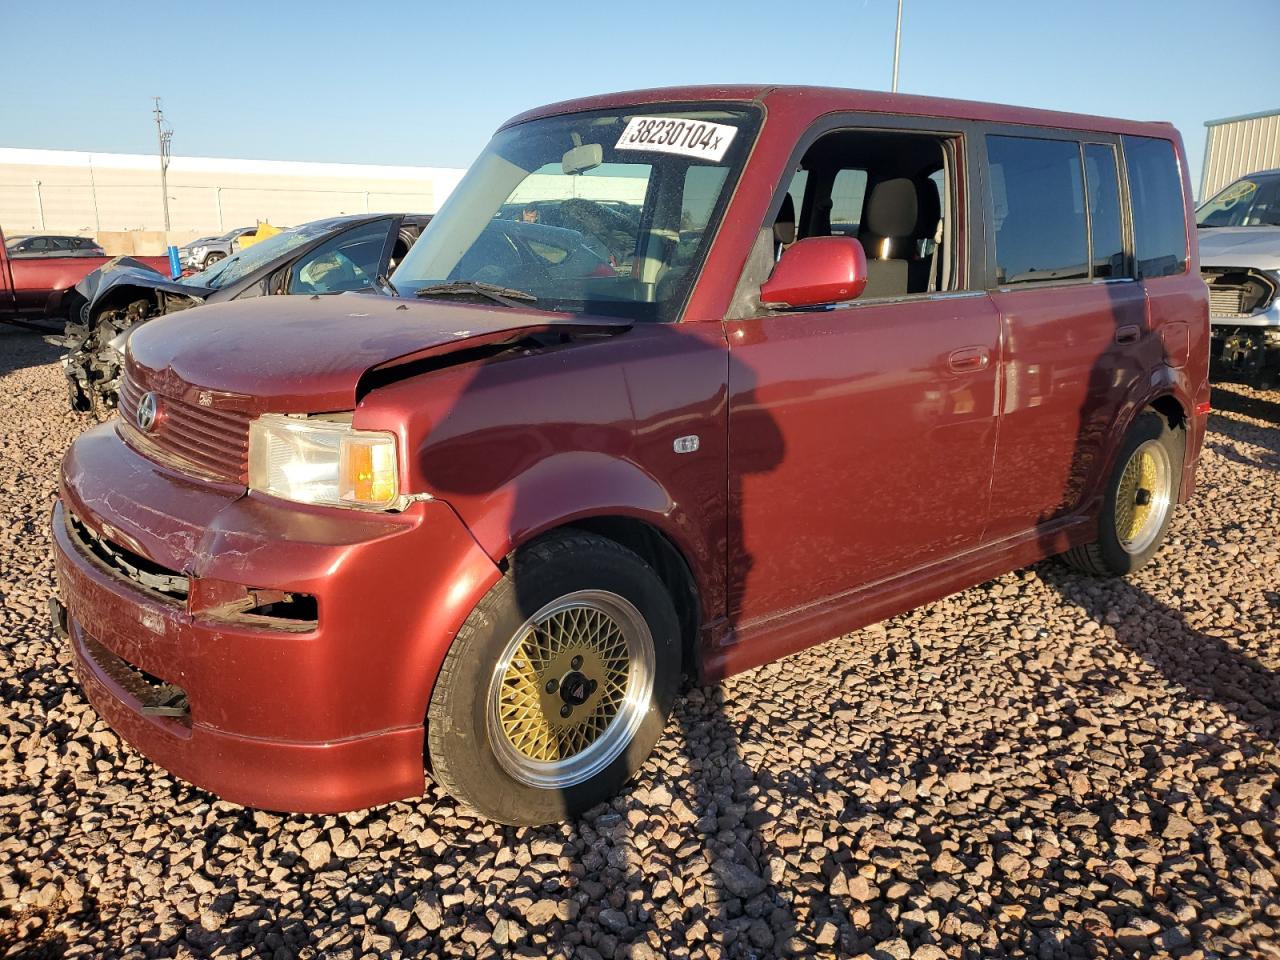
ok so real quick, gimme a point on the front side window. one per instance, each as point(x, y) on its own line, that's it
point(1106, 235)
point(1037, 192)
point(601, 212)
point(1159, 217)
point(350, 261)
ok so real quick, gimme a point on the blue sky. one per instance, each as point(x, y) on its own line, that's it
point(426, 83)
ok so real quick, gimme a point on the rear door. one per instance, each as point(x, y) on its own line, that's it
point(1072, 319)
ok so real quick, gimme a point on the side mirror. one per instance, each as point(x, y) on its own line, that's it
point(815, 271)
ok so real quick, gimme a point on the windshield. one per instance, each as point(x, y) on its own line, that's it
point(600, 212)
point(1249, 202)
point(239, 265)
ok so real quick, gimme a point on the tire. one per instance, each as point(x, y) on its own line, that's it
point(211, 259)
point(502, 736)
point(1148, 465)
point(73, 306)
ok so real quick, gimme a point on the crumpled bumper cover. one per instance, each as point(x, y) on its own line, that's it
point(324, 718)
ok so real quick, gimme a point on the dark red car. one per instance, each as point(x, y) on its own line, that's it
point(39, 284)
point(832, 355)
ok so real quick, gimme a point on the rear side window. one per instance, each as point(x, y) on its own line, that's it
point(1159, 219)
point(1037, 191)
point(1105, 232)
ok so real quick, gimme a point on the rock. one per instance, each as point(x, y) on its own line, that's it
point(615, 921)
point(739, 880)
point(1178, 828)
point(398, 919)
point(317, 855)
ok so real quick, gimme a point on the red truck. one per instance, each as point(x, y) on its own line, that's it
point(853, 352)
point(34, 288)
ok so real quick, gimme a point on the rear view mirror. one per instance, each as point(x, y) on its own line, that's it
point(580, 159)
point(817, 271)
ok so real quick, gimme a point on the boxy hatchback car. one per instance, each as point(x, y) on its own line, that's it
point(855, 352)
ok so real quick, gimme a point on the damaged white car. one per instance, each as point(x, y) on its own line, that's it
point(1239, 234)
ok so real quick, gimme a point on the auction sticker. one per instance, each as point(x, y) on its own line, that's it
point(691, 138)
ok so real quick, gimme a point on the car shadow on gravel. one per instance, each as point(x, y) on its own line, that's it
point(1230, 400)
point(1205, 666)
point(21, 348)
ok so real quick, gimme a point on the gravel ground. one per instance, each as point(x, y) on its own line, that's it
point(1042, 766)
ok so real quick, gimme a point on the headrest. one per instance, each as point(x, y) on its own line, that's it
point(784, 226)
point(891, 211)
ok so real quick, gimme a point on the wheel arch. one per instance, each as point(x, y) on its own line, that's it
point(668, 561)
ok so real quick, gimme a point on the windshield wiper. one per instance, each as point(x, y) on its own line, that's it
point(507, 296)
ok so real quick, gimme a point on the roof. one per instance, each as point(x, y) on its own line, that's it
point(1260, 115)
point(816, 101)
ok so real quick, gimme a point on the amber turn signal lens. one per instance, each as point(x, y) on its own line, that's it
point(367, 471)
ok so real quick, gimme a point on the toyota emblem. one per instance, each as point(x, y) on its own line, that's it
point(148, 410)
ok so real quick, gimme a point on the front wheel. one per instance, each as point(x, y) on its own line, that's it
point(1139, 501)
point(558, 685)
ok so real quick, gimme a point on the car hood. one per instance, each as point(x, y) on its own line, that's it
point(307, 354)
point(126, 271)
point(1257, 247)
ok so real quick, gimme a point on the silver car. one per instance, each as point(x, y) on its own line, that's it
point(1239, 233)
point(209, 252)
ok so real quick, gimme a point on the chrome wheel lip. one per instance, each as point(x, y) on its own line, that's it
point(609, 745)
point(1161, 497)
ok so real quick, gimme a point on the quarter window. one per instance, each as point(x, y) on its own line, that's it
point(1037, 189)
point(1105, 233)
point(1159, 218)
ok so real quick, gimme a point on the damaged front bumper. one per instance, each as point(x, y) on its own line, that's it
point(280, 656)
point(1247, 344)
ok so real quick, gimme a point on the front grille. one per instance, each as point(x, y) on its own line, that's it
point(210, 443)
point(137, 569)
point(1226, 302)
point(1238, 291)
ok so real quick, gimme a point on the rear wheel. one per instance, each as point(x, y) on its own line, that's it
point(558, 685)
point(1139, 501)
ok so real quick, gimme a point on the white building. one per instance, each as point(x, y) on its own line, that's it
point(66, 191)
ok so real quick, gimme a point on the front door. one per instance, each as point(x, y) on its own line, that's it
point(860, 445)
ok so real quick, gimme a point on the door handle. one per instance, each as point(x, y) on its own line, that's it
point(1129, 333)
point(968, 359)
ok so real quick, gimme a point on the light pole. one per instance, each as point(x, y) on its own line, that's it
point(164, 136)
point(897, 44)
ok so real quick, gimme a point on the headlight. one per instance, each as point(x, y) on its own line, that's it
point(323, 461)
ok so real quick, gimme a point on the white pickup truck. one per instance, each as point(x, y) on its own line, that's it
point(1239, 233)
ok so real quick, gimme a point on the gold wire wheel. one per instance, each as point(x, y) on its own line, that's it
point(570, 689)
point(1143, 497)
